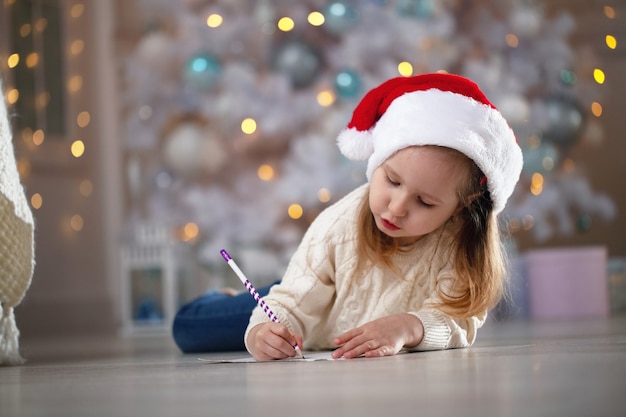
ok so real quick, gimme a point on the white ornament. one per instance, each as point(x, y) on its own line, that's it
point(191, 151)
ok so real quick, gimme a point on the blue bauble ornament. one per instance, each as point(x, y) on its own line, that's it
point(298, 60)
point(541, 159)
point(565, 120)
point(202, 70)
point(415, 8)
point(339, 16)
point(347, 84)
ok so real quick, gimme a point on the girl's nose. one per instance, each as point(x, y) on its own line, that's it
point(397, 206)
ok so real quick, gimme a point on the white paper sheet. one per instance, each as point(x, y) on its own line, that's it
point(308, 357)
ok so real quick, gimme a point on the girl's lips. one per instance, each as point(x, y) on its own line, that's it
point(388, 225)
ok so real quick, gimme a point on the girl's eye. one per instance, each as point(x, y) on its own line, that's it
point(425, 204)
point(392, 182)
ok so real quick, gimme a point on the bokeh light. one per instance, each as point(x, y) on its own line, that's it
point(78, 148)
point(295, 211)
point(214, 20)
point(248, 126)
point(405, 69)
point(265, 172)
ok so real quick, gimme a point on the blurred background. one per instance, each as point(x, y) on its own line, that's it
point(150, 134)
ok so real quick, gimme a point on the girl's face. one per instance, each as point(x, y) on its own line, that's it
point(415, 191)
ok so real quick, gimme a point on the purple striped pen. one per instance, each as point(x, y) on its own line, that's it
point(254, 293)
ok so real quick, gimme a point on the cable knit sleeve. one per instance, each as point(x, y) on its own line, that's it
point(444, 332)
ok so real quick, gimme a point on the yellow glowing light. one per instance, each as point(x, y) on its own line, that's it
point(528, 222)
point(295, 211)
point(316, 19)
point(36, 201)
point(569, 165)
point(405, 69)
point(77, 10)
point(536, 190)
point(78, 148)
point(324, 195)
point(75, 83)
point(83, 119)
point(325, 98)
point(286, 24)
point(85, 188)
point(13, 95)
point(512, 40)
point(609, 12)
point(77, 223)
point(41, 24)
point(27, 134)
point(77, 46)
point(43, 99)
point(24, 167)
point(265, 172)
point(25, 30)
point(190, 231)
point(248, 126)
point(32, 60)
point(598, 75)
point(214, 20)
point(38, 137)
point(537, 180)
point(611, 41)
point(13, 60)
point(596, 109)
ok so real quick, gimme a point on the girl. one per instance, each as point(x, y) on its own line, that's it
point(412, 259)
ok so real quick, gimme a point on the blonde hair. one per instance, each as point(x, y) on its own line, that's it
point(479, 260)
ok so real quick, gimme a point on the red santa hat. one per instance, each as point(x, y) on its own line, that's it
point(435, 109)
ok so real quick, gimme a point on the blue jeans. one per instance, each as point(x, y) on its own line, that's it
point(214, 322)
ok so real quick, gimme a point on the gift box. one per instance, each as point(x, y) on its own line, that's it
point(567, 282)
point(617, 285)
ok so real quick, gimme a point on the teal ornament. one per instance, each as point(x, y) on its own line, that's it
point(298, 61)
point(583, 224)
point(202, 71)
point(541, 159)
point(565, 120)
point(339, 16)
point(567, 77)
point(415, 8)
point(347, 84)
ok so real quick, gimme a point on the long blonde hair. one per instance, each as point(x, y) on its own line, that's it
point(479, 259)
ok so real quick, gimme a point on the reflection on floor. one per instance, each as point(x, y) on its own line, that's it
point(517, 368)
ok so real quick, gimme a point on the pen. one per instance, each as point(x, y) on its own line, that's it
point(246, 282)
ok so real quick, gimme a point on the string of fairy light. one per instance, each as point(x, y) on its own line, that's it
point(34, 140)
point(266, 172)
point(537, 179)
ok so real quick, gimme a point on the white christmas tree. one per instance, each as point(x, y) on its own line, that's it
point(232, 108)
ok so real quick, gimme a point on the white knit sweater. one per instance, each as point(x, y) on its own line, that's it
point(321, 296)
point(16, 243)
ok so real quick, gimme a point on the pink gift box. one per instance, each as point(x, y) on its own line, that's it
point(567, 282)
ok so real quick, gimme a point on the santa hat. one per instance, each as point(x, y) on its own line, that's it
point(435, 109)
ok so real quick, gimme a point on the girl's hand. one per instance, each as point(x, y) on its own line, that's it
point(381, 337)
point(268, 341)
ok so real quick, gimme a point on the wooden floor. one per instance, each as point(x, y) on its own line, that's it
point(566, 368)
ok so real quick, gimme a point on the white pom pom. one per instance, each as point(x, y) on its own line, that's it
point(355, 145)
point(9, 335)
